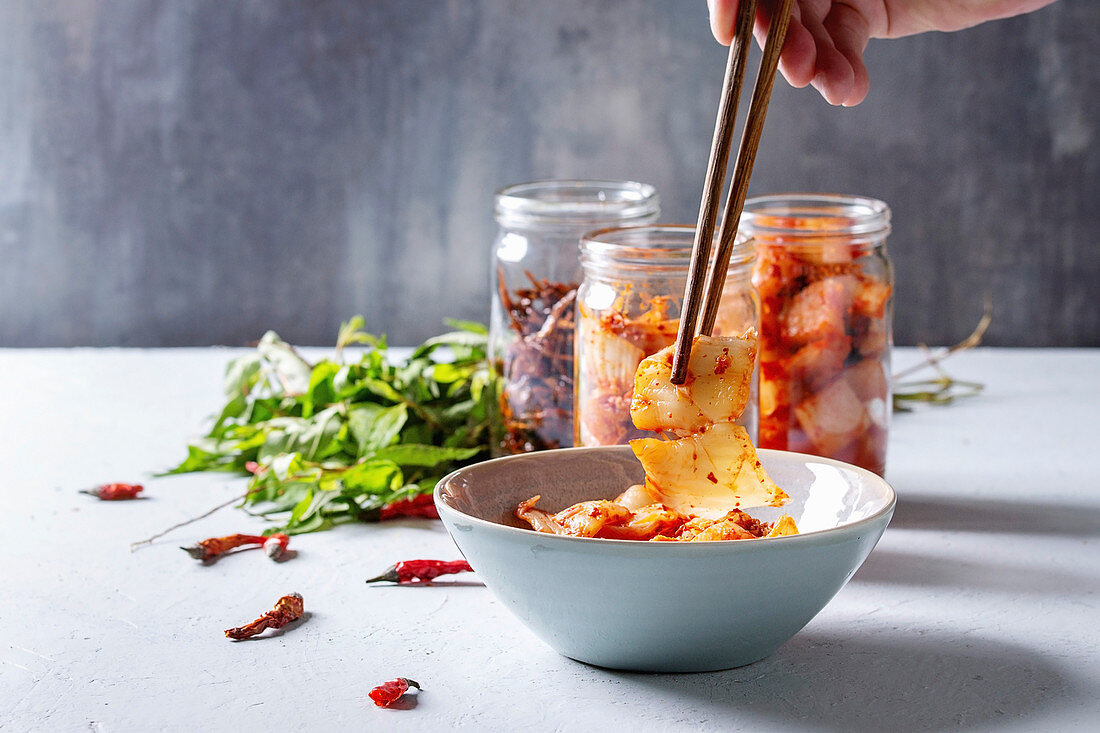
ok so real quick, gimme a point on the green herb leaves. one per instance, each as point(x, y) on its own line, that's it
point(335, 442)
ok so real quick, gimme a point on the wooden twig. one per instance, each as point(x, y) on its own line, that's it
point(204, 515)
point(974, 339)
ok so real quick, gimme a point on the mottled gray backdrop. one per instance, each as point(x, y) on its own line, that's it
point(197, 171)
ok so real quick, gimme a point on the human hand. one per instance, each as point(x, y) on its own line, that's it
point(826, 38)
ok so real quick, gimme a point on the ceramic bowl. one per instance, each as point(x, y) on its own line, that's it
point(661, 606)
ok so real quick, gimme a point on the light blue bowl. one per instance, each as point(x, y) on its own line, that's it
point(661, 606)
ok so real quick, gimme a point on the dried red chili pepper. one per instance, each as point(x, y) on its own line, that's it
point(421, 505)
point(421, 571)
point(274, 546)
point(288, 608)
point(418, 506)
point(388, 693)
point(115, 492)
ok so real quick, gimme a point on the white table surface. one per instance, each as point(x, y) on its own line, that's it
point(977, 610)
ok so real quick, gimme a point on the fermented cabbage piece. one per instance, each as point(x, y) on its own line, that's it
point(716, 388)
point(784, 527)
point(832, 418)
point(819, 362)
point(707, 474)
point(611, 361)
point(819, 310)
point(871, 297)
point(603, 519)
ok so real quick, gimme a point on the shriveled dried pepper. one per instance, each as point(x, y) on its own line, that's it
point(418, 506)
point(388, 693)
point(288, 608)
point(420, 571)
point(274, 546)
point(115, 492)
point(536, 368)
point(421, 505)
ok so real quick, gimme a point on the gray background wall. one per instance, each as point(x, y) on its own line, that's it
point(197, 171)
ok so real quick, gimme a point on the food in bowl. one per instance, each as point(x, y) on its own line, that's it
point(660, 606)
point(697, 483)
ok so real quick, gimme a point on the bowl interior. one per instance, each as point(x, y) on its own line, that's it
point(824, 493)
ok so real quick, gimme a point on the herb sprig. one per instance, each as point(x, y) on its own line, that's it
point(336, 441)
point(943, 389)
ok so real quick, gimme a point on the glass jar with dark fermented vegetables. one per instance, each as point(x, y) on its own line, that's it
point(826, 294)
point(628, 308)
point(536, 271)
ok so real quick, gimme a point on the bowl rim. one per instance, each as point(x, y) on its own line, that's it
point(814, 535)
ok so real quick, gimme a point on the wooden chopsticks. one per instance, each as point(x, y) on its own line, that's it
point(703, 291)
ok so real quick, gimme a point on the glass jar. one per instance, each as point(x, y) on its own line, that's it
point(536, 271)
point(629, 307)
point(826, 290)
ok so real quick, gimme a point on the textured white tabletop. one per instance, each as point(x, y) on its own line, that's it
point(978, 609)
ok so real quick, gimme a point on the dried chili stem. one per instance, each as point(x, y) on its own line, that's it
point(204, 515)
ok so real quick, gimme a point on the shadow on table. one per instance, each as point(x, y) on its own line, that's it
point(906, 681)
point(914, 569)
point(986, 515)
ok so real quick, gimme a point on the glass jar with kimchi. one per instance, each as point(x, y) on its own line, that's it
point(628, 308)
point(826, 293)
point(536, 272)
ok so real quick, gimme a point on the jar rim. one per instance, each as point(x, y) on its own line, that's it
point(808, 215)
point(575, 202)
point(654, 246)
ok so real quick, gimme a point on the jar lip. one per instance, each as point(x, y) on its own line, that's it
point(815, 215)
point(575, 202)
point(654, 246)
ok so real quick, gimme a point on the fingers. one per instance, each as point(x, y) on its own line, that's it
point(798, 60)
point(824, 45)
point(849, 32)
point(832, 73)
point(829, 36)
point(723, 18)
